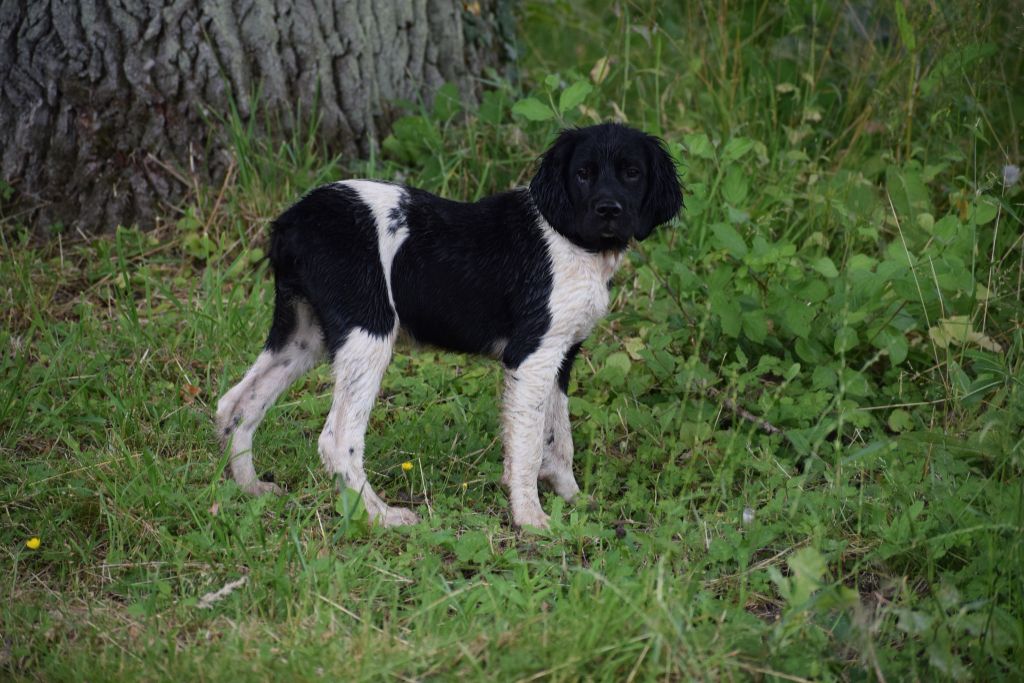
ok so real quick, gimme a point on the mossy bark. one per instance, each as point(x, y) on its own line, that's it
point(106, 106)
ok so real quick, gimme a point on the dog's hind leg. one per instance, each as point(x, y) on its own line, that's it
point(359, 365)
point(556, 465)
point(295, 345)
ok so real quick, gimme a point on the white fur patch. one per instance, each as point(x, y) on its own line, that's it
point(556, 465)
point(384, 200)
point(579, 298)
point(527, 389)
point(358, 367)
point(579, 294)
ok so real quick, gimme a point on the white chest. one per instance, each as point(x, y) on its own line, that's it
point(579, 296)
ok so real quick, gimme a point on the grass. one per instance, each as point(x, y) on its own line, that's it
point(848, 270)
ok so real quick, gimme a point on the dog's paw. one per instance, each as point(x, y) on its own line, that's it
point(570, 493)
point(396, 516)
point(563, 484)
point(532, 516)
point(260, 488)
point(558, 476)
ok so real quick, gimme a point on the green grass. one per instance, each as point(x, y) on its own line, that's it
point(848, 270)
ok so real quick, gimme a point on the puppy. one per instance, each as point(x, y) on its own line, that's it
point(522, 276)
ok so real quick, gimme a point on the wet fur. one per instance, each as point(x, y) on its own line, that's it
point(522, 275)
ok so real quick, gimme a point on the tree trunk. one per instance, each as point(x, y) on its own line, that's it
point(104, 102)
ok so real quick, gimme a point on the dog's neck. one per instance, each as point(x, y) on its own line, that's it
point(602, 263)
point(609, 262)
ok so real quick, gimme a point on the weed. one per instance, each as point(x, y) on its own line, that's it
point(799, 431)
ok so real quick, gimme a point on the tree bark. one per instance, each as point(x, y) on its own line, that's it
point(103, 103)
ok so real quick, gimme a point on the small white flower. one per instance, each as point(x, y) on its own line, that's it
point(748, 516)
point(1011, 174)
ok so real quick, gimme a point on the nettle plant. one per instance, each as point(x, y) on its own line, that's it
point(570, 99)
point(866, 290)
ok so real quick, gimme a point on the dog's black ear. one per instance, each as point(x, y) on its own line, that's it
point(548, 187)
point(664, 196)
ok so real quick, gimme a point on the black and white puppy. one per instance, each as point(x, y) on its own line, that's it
point(521, 275)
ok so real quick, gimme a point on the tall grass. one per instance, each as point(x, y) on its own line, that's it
point(800, 429)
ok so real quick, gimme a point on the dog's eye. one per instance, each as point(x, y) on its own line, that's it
point(583, 175)
point(631, 173)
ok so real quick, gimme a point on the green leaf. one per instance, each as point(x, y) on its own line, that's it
point(908, 192)
point(900, 421)
point(574, 95)
point(755, 325)
point(824, 377)
point(533, 109)
point(860, 262)
point(728, 313)
point(814, 290)
point(199, 246)
point(826, 267)
point(447, 102)
point(492, 106)
point(737, 148)
point(946, 228)
point(906, 30)
point(615, 369)
point(731, 321)
point(983, 211)
point(724, 236)
point(926, 222)
point(954, 62)
point(619, 361)
point(863, 454)
point(797, 316)
point(895, 344)
point(472, 547)
point(698, 145)
point(807, 567)
point(735, 186)
point(349, 504)
point(809, 351)
point(846, 339)
point(855, 383)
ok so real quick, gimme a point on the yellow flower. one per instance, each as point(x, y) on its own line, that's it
point(465, 486)
point(32, 543)
point(406, 466)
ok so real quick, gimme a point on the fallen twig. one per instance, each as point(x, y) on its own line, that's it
point(206, 602)
point(765, 425)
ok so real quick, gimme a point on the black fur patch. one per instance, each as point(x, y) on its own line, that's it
point(472, 277)
point(324, 251)
point(566, 369)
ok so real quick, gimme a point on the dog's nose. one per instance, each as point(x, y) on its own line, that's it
point(608, 208)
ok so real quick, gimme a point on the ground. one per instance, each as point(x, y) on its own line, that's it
point(799, 432)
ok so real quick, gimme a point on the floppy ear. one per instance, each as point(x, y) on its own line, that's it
point(548, 187)
point(664, 194)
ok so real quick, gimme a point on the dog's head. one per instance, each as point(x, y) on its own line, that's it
point(603, 185)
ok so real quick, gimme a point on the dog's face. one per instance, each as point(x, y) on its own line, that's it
point(603, 185)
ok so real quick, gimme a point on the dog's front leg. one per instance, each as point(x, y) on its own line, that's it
point(527, 390)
